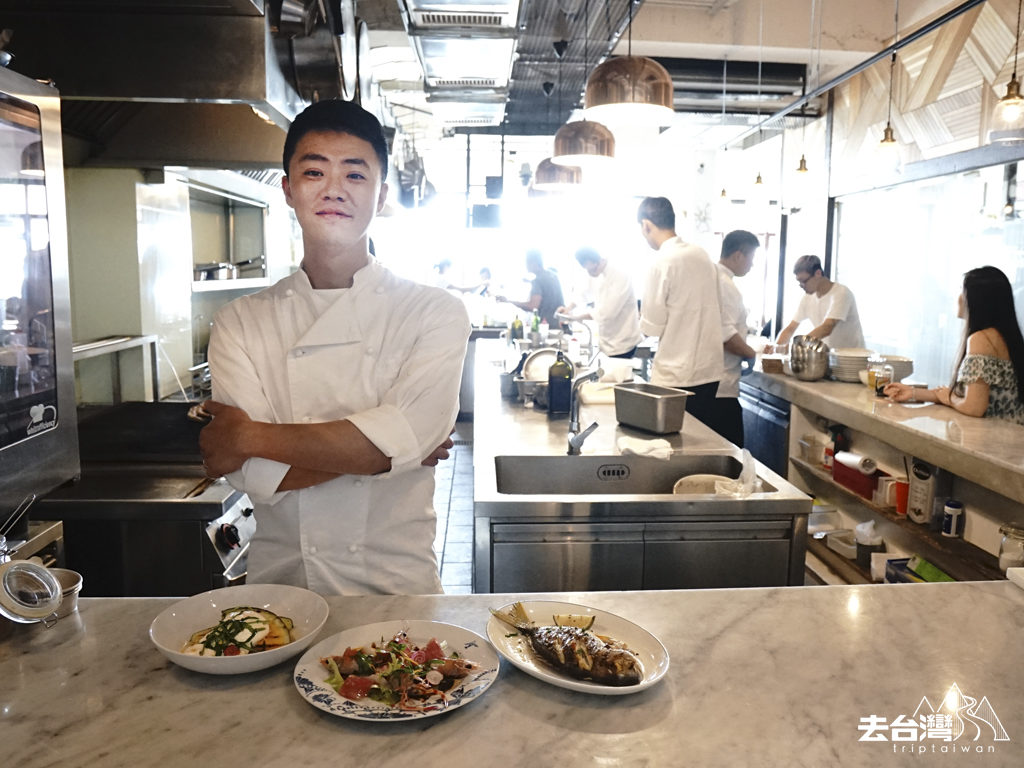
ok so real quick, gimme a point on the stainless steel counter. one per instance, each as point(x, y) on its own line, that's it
point(602, 536)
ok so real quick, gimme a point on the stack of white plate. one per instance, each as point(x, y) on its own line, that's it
point(902, 367)
point(846, 363)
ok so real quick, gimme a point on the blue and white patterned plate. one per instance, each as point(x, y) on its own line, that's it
point(310, 674)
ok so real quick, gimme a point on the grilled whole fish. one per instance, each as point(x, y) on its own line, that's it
point(577, 652)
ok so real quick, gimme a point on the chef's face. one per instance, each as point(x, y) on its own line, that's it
point(334, 186)
point(808, 282)
point(743, 261)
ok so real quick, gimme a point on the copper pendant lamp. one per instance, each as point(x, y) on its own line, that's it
point(550, 177)
point(584, 143)
point(633, 89)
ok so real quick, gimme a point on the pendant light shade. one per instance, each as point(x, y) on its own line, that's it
point(631, 89)
point(550, 177)
point(1008, 117)
point(583, 143)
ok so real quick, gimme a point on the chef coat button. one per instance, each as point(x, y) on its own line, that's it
point(369, 352)
point(358, 483)
point(306, 419)
point(289, 292)
point(353, 548)
point(312, 550)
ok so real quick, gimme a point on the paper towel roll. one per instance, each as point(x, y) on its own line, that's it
point(863, 464)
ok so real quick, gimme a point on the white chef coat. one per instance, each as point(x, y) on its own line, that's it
point(618, 321)
point(840, 304)
point(734, 321)
point(680, 306)
point(387, 355)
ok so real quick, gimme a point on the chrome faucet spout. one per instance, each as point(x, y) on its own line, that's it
point(576, 437)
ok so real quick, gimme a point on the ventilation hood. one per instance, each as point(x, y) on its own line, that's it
point(164, 82)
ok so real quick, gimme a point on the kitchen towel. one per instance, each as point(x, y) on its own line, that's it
point(864, 464)
point(656, 447)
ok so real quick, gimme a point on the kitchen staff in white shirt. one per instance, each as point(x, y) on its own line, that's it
point(829, 306)
point(614, 305)
point(737, 257)
point(680, 307)
point(332, 385)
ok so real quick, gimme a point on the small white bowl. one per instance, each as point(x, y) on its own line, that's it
point(171, 630)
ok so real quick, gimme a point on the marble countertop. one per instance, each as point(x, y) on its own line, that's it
point(766, 677)
point(988, 452)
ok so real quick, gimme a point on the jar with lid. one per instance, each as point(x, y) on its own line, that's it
point(1011, 548)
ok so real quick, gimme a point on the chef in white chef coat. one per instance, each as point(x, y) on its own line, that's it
point(331, 386)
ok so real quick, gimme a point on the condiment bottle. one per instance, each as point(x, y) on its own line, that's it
point(559, 385)
point(952, 518)
point(517, 328)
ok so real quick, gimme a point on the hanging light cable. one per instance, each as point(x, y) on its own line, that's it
point(550, 176)
point(584, 143)
point(1008, 118)
point(758, 183)
point(889, 147)
point(630, 89)
point(802, 167)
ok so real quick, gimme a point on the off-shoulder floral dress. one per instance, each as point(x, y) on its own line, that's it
point(1003, 402)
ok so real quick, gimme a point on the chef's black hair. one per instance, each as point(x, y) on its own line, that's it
point(342, 117)
point(739, 240)
point(659, 211)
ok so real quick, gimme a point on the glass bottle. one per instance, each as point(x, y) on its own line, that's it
point(535, 323)
point(516, 331)
point(559, 384)
point(1011, 548)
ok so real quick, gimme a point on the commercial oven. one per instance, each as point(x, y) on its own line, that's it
point(38, 442)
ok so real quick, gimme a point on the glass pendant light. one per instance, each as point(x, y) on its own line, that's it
point(630, 89)
point(1008, 118)
point(584, 143)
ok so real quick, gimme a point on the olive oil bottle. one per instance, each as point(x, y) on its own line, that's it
point(559, 385)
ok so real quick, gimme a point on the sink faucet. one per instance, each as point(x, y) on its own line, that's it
point(576, 437)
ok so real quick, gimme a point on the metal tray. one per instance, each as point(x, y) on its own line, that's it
point(650, 407)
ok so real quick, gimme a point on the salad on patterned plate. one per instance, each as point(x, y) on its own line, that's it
point(397, 672)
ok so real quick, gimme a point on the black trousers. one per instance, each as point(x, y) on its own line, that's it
point(722, 414)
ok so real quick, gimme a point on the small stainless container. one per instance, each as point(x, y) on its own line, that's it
point(650, 407)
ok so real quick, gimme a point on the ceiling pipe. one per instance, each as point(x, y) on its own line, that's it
point(868, 62)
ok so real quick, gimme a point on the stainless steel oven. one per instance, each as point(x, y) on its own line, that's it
point(38, 448)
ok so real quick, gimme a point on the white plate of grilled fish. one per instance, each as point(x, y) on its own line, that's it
point(578, 647)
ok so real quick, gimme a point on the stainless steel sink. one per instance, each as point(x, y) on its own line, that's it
point(599, 475)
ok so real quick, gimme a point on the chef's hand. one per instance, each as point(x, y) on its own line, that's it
point(440, 453)
point(220, 441)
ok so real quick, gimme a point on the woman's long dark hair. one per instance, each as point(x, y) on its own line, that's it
point(988, 303)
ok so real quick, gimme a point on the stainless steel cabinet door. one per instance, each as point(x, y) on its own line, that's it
point(554, 557)
point(716, 555)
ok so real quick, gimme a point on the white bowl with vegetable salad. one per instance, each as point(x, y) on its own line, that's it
point(251, 627)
